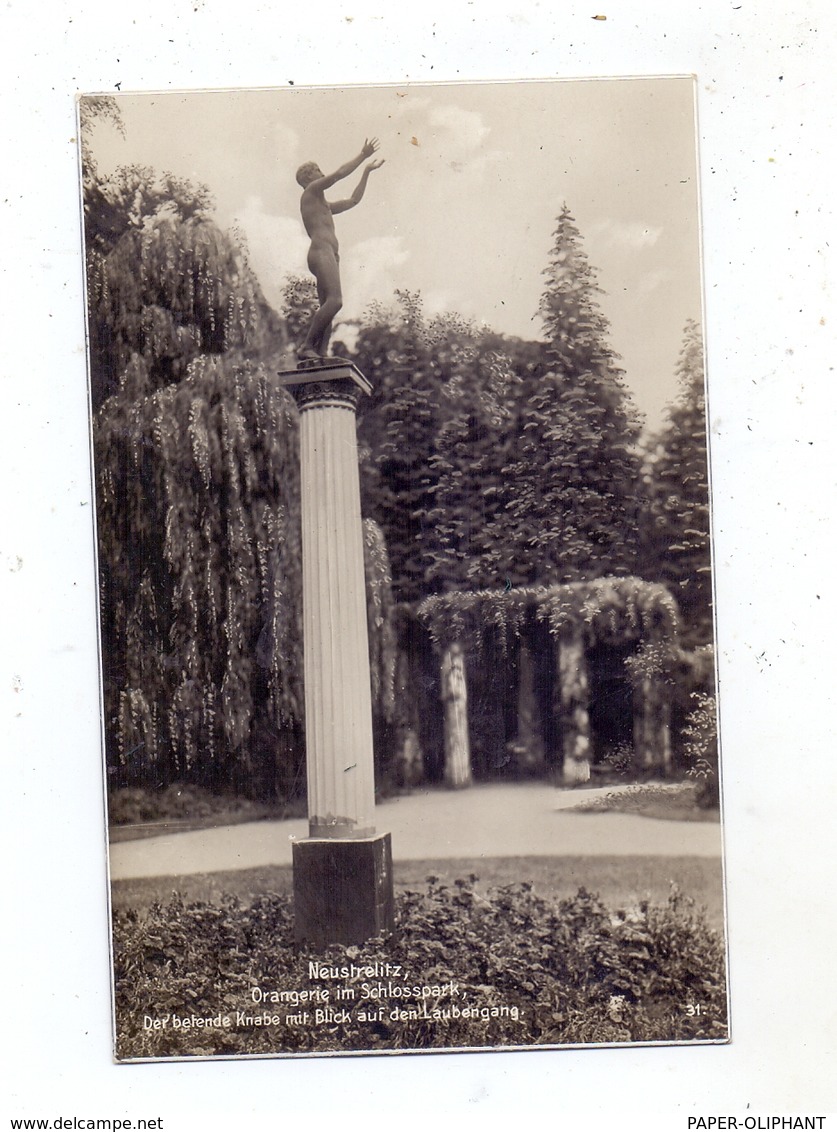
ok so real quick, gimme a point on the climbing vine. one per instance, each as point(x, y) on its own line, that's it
point(380, 621)
point(605, 610)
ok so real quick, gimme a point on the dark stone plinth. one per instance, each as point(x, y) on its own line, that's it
point(342, 889)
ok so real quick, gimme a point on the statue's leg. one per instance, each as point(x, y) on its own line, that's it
point(326, 270)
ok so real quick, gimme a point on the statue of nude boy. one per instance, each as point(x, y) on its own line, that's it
point(323, 257)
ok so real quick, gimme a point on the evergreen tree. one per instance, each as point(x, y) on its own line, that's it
point(676, 534)
point(570, 490)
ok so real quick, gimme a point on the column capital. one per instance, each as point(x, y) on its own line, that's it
point(328, 382)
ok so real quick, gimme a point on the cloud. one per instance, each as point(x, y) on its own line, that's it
point(284, 148)
point(458, 129)
point(369, 272)
point(444, 136)
point(634, 236)
point(650, 281)
point(278, 246)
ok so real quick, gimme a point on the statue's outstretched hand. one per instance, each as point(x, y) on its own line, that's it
point(369, 147)
point(375, 164)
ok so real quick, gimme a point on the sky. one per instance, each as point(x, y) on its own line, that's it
point(465, 206)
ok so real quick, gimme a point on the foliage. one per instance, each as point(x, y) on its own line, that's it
point(199, 551)
point(496, 460)
point(487, 462)
point(397, 432)
point(620, 759)
point(197, 489)
point(437, 432)
point(605, 610)
point(299, 303)
point(676, 533)
point(570, 487)
point(655, 659)
point(566, 973)
point(93, 109)
point(164, 282)
point(380, 620)
point(701, 748)
point(133, 805)
point(671, 802)
point(468, 456)
point(200, 560)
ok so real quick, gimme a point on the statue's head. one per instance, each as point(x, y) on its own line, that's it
point(307, 173)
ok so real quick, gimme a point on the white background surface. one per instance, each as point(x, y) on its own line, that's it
point(766, 107)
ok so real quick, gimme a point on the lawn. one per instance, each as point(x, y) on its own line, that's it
point(618, 881)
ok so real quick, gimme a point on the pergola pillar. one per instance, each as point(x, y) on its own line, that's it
point(652, 725)
point(455, 701)
point(574, 708)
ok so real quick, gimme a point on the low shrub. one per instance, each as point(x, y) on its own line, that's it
point(700, 748)
point(505, 968)
point(131, 805)
point(681, 801)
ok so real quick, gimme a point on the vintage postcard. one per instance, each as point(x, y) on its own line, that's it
point(398, 414)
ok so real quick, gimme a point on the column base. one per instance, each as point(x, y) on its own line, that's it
point(575, 771)
point(342, 889)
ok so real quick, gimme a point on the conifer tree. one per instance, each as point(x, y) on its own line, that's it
point(676, 535)
point(571, 484)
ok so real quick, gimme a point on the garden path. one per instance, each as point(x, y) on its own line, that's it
point(489, 820)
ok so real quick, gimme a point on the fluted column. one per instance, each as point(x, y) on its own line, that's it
point(343, 871)
point(338, 699)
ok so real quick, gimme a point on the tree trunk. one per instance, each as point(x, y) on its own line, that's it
point(455, 700)
point(528, 746)
point(409, 757)
point(573, 709)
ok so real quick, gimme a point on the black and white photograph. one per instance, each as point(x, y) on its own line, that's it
point(418, 462)
point(403, 530)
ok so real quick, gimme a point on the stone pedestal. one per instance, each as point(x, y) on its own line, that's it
point(342, 889)
point(338, 698)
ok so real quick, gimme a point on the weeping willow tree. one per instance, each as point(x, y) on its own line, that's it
point(195, 463)
point(165, 282)
point(199, 554)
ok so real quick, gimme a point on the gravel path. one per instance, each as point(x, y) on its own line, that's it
point(492, 820)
